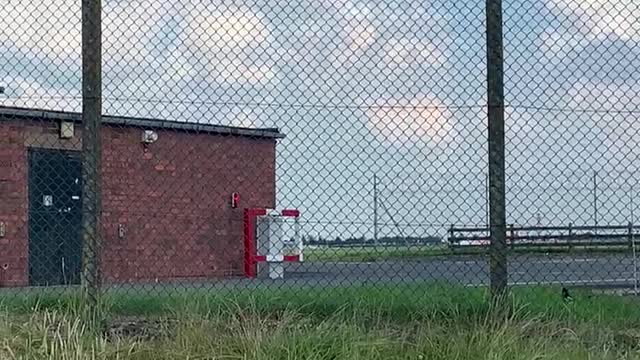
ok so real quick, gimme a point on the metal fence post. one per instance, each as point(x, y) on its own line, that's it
point(91, 148)
point(496, 139)
point(570, 237)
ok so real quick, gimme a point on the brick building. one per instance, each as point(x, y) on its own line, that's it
point(166, 186)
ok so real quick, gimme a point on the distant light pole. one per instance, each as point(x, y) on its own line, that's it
point(375, 209)
point(633, 242)
point(595, 202)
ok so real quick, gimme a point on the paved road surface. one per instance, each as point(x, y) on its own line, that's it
point(603, 269)
point(616, 270)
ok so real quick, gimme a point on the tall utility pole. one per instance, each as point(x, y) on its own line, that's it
point(495, 113)
point(486, 189)
point(375, 209)
point(595, 202)
point(91, 150)
point(633, 241)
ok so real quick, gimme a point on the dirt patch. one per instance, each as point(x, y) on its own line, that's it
point(138, 328)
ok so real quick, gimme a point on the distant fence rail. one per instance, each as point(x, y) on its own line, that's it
point(548, 236)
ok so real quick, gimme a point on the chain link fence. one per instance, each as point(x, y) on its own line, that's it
point(316, 144)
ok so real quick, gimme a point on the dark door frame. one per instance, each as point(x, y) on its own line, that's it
point(55, 245)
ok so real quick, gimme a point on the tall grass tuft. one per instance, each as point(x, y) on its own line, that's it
point(246, 330)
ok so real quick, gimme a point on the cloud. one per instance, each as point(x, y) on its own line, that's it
point(243, 117)
point(130, 30)
point(605, 17)
point(406, 122)
point(30, 94)
point(557, 45)
point(401, 53)
point(359, 32)
point(226, 30)
point(223, 39)
point(241, 73)
point(594, 126)
point(42, 27)
point(360, 35)
point(608, 97)
point(54, 29)
point(135, 38)
point(359, 29)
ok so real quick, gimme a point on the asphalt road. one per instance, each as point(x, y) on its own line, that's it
point(604, 270)
point(587, 270)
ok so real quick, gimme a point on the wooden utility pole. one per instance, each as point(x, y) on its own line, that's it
point(496, 139)
point(91, 148)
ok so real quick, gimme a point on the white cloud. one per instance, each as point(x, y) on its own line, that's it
point(30, 94)
point(242, 117)
point(229, 72)
point(357, 11)
point(407, 122)
point(596, 128)
point(131, 30)
point(406, 51)
point(54, 28)
point(361, 32)
point(42, 27)
point(604, 97)
point(226, 30)
point(221, 39)
point(556, 45)
point(360, 35)
point(179, 65)
point(604, 17)
point(358, 32)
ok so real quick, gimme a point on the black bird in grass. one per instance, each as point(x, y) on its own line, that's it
point(566, 297)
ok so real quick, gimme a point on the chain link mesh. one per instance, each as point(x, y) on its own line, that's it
point(369, 117)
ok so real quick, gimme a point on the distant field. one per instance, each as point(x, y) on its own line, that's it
point(370, 253)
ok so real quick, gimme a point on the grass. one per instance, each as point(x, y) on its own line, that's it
point(371, 254)
point(368, 253)
point(371, 322)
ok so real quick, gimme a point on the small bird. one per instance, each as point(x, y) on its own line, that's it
point(566, 297)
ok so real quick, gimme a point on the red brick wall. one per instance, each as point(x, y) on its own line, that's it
point(13, 206)
point(171, 199)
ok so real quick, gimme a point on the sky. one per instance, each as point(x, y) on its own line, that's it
point(394, 88)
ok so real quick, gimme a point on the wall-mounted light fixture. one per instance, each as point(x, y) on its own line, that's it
point(149, 137)
point(66, 130)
